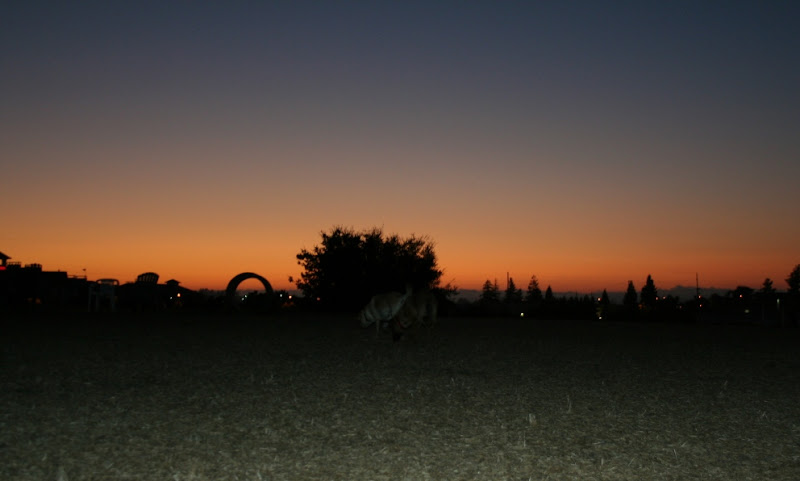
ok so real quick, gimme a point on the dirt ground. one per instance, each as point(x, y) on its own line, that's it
point(318, 398)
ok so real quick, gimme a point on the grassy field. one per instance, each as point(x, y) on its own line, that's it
point(321, 399)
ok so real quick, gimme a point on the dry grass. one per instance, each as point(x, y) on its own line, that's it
point(288, 399)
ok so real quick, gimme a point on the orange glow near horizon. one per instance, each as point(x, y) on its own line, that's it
point(198, 265)
point(583, 237)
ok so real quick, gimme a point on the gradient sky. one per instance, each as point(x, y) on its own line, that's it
point(587, 143)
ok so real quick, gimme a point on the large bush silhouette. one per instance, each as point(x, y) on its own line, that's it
point(349, 267)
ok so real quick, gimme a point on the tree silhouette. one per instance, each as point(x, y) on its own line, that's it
point(349, 267)
point(631, 299)
point(794, 281)
point(533, 295)
point(793, 295)
point(490, 293)
point(489, 300)
point(604, 300)
point(649, 293)
point(512, 294)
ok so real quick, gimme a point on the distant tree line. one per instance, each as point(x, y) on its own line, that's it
point(531, 303)
point(766, 305)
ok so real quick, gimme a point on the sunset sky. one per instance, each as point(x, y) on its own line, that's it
point(587, 143)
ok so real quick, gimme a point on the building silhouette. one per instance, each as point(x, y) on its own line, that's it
point(30, 287)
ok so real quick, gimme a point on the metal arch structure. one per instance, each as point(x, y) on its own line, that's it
point(234, 283)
